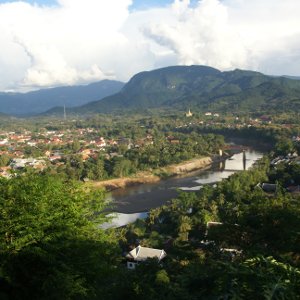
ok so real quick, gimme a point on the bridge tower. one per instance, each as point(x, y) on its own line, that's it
point(244, 159)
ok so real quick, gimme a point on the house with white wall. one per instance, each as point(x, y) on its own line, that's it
point(140, 254)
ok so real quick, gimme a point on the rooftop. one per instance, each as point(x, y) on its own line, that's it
point(142, 253)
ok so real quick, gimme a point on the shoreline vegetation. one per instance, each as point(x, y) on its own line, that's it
point(156, 175)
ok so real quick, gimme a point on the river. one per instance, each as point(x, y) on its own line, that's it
point(134, 202)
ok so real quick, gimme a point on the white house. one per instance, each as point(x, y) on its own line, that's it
point(4, 142)
point(140, 254)
point(19, 163)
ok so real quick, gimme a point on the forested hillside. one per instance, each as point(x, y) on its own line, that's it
point(204, 88)
point(53, 248)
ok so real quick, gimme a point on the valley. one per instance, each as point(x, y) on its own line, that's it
point(216, 187)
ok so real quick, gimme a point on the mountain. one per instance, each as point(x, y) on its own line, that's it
point(45, 99)
point(201, 87)
point(292, 77)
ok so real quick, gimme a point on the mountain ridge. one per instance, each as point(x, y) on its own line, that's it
point(39, 101)
point(170, 88)
point(201, 87)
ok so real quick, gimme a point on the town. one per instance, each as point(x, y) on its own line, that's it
point(61, 144)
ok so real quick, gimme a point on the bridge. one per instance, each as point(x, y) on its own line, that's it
point(236, 148)
point(223, 162)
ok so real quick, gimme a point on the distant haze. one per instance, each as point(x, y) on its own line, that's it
point(39, 101)
point(68, 42)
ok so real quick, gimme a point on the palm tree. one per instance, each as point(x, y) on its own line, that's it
point(185, 225)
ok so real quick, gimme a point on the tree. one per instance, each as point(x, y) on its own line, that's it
point(51, 246)
point(122, 167)
point(75, 146)
point(4, 160)
point(99, 172)
point(284, 147)
point(184, 226)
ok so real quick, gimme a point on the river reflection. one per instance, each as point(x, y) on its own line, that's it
point(119, 219)
point(143, 197)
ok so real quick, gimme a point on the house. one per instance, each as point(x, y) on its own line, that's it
point(56, 140)
point(125, 142)
point(5, 172)
point(53, 158)
point(219, 230)
point(20, 163)
point(4, 142)
point(47, 153)
point(173, 140)
point(294, 189)
point(210, 225)
point(18, 153)
point(100, 142)
point(231, 253)
point(265, 118)
point(85, 153)
point(112, 143)
point(32, 143)
point(269, 187)
point(296, 138)
point(140, 254)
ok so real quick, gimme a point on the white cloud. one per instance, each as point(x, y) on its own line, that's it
point(271, 29)
point(63, 44)
point(258, 34)
point(79, 41)
point(201, 35)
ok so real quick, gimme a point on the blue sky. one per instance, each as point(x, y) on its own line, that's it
point(142, 4)
point(82, 41)
point(137, 4)
point(42, 2)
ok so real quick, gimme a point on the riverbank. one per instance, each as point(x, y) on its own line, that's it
point(188, 166)
point(143, 197)
point(155, 176)
point(117, 183)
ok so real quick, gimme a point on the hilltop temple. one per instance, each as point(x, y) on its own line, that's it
point(188, 114)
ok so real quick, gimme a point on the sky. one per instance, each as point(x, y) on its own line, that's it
point(48, 43)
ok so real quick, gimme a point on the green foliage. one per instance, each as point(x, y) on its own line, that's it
point(122, 167)
point(284, 147)
point(162, 278)
point(4, 160)
point(40, 208)
point(51, 246)
point(253, 252)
